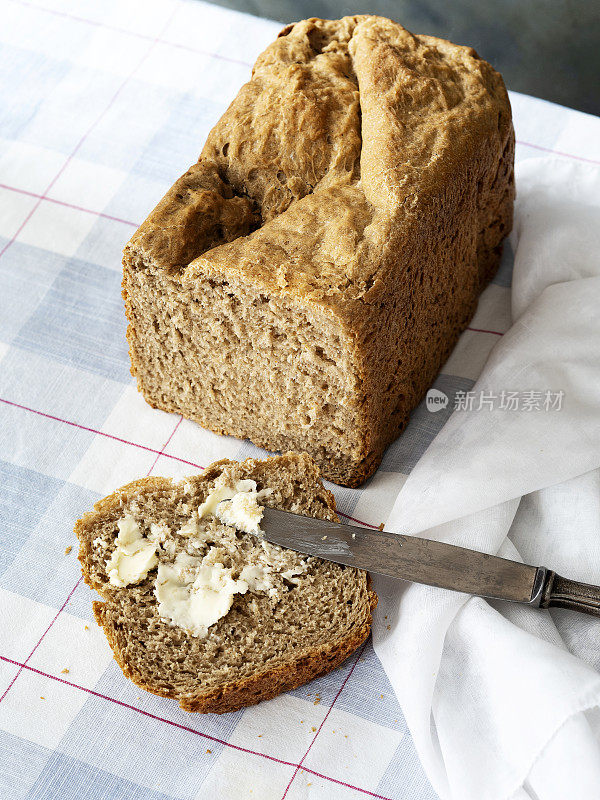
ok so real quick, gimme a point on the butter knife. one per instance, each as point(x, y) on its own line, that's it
point(426, 561)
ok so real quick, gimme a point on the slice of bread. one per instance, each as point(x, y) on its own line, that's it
point(268, 642)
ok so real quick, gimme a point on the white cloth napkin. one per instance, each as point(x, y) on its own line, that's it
point(504, 701)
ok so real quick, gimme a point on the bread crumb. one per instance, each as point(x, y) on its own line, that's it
point(85, 628)
point(345, 736)
point(381, 526)
point(301, 720)
point(385, 616)
point(388, 627)
point(68, 550)
point(354, 536)
point(381, 697)
point(65, 671)
point(208, 751)
point(323, 538)
point(309, 784)
point(42, 698)
point(317, 701)
point(313, 728)
point(259, 735)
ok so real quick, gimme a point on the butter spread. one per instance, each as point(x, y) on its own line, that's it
point(290, 574)
point(194, 593)
point(190, 528)
point(223, 492)
point(242, 512)
point(258, 577)
point(196, 587)
point(158, 533)
point(133, 557)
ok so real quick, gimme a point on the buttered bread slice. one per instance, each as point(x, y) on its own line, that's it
point(302, 284)
point(197, 606)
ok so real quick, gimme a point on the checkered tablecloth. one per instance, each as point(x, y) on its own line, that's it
point(102, 105)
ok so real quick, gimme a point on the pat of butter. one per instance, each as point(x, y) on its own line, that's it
point(258, 577)
point(194, 594)
point(133, 557)
point(235, 506)
point(189, 528)
point(223, 492)
point(242, 512)
point(290, 574)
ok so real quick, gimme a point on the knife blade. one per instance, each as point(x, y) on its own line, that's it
point(410, 558)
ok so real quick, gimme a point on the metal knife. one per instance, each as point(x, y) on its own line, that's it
point(426, 561)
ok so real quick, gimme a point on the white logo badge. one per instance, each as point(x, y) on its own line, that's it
point(436, 400)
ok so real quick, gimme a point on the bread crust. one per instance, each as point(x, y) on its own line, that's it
point(233, 695)
point(249, 691)
point(362, 179)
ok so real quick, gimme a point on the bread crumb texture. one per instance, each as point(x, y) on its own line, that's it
point(279, 618)
point(302, 284)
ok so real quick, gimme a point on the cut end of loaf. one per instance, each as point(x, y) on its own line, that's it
point(263, 645)
point(244, 363)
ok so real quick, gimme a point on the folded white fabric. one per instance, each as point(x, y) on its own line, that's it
point(504, 701)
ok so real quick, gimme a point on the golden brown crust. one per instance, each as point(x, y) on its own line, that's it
point(364, 178)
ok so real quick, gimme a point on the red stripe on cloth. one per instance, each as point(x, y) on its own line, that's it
point(329, 710)
point(141, 711)
point(484, 330)
point(135, 34)
point(178, 725)
point(37, 204)
point(82, 140)
point(19, 229)
point(367, 524)
point(60, 610)
point(140, 446)
point(161, 452)
point(344, 783)
point(99, 433)
point(39, 641)
point(558, 152)
point(68, 205)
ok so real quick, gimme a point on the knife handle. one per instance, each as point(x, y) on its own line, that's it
point(558, 592)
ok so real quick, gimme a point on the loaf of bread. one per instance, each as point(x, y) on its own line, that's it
point(302, 284)
point(209, 615)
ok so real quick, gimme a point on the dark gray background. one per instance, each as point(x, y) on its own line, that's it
point(547, 48)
